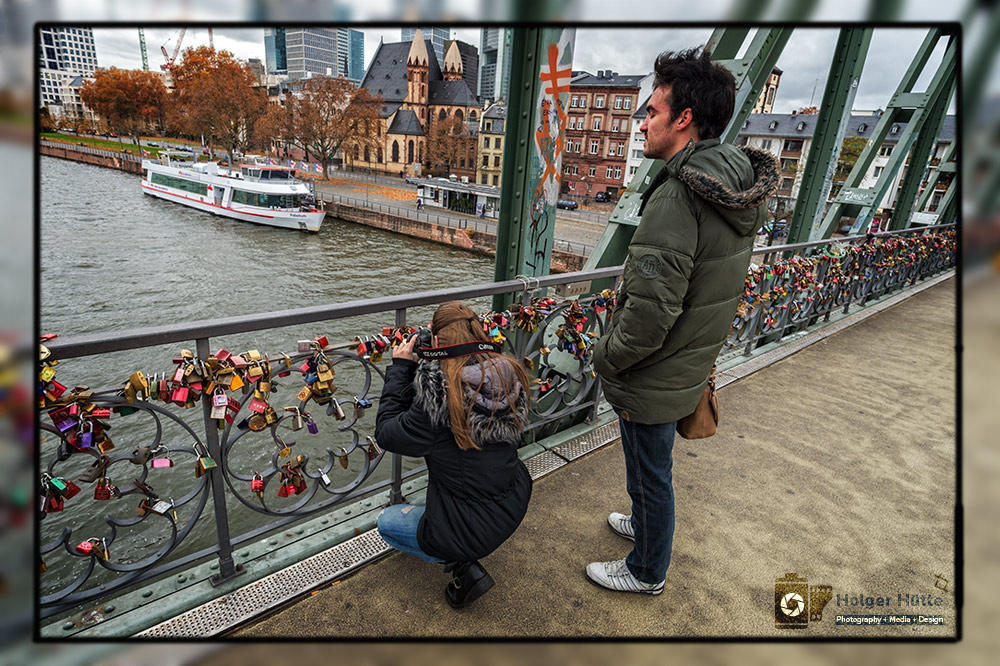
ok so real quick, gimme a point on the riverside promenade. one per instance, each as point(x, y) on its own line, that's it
point(837, 463)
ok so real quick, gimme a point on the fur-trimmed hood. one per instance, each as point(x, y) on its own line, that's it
point(735, 181)
point(492, 420)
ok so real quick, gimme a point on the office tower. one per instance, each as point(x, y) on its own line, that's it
point(274, 51)
point(356, 56)
point(494, 63)
point(69, 50)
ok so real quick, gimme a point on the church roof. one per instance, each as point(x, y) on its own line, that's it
point(386, 75)
point(455, 93)
point(406, 122)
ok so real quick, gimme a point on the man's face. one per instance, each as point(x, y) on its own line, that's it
point(662, 139)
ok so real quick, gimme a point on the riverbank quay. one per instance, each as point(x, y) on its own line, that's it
point(837, 463)
point(123, 161)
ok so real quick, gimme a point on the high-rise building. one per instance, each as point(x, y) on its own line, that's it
point(494, 63)
point(274, 51)
point(68, 50)
point(305, 52)
point(436, 36)
point(356, 56)
point(64, 55)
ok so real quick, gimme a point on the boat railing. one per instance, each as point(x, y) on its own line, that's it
point(792, 289)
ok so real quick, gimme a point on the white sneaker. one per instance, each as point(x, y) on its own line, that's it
point(615, 575)
point(622, 525)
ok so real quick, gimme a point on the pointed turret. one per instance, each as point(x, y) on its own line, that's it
point(416, 74)
point(418, 50)
point(452, 69)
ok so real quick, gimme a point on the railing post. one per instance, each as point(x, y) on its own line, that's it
point(227, 568)
point(396, 487)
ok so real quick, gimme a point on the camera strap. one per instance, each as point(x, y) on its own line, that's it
point(459, 350)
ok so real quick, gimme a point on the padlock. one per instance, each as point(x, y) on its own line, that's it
point(338, 411)
point(161, 507)
point(46, 374)
point(258, 406)
point(305, 394)
point(100, 412)
point(180, 395)
point(203, 464)
point(283, 490)
point(300, 483)
point(161, 463)
point(54, 484)
point(270, 416)
point(257, 484)
point(311, 426)
point(104, 444)
point(84, 547)
point(54, 389)
point(342, 457)
point(102, 491)
point(144, 506)
point(283, 449)
point(254, 372)
point(264, 386)
point(220, 399)
point(95, 471)
point(101, 548)
point(223, 355)
point(141, 455)
point(244, 424)
point(323, 343)
point(374, 450)
point(303, 346)
point(324, 478)
point(220, 403)
point(53, 504)
point(257, 422)
point(71, 489)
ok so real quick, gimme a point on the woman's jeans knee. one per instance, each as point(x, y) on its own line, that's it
point(397, 525)
point(649, 481)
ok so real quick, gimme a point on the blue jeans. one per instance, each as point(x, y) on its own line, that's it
point(397, 525)
point(649, 481)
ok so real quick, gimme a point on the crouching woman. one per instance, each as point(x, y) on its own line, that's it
point(464, 415)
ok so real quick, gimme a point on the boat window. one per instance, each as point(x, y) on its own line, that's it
point(179, 183)
point(267, 200)
point(255, 173)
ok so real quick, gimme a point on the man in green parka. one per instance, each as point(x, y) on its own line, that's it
point(683, 279)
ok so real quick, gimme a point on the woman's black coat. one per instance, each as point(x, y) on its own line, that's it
point(475, 498)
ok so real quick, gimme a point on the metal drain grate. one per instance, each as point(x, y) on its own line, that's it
point(249, 602)
point(543, 463)
point(590, 441)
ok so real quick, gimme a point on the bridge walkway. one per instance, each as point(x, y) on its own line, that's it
point(837, 463)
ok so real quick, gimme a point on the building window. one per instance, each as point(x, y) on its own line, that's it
point(496, 161)
point(573, 101)
point(628, 103)
point(594, 146)
point(789, 165)
point(765, 144)
point(786, 183)
point(486, 142)
point(486, 161)
point(593, 171)
point(599, 101)
point(618, 173)
point(885, 150)
point(614, 125)
point(395, 151)
point(496, 180)
point(793, 145)
point(894, 130)
point(583, 101)
point(496, 143)
point(597, 123)
point(773, 124)
point(618, 102)
point(483, 181)
point(610, 170)
point(621, 149)
point(877, 171)
point(572, 123)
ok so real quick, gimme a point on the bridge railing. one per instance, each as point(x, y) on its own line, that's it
point(240, 456)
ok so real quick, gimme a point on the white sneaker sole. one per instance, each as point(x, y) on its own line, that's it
point(624, 535)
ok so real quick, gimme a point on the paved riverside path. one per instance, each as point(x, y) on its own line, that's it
point(837, 463)
point(572, 227)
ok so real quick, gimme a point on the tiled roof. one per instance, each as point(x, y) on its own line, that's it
point(406, 122)
point(640, 111)
point(609, 78)
point(451, 92)
point(386, 75)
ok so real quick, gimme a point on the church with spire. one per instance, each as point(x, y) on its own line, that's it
point(418, 91)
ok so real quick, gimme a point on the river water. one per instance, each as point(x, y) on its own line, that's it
point(112, 258)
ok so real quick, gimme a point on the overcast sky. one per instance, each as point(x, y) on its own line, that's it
point(805, 61)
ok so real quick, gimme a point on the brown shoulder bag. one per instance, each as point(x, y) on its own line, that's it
point(705, 419)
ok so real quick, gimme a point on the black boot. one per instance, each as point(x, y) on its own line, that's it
point(470, 582)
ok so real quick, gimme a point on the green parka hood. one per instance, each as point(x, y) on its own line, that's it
point(723, 179)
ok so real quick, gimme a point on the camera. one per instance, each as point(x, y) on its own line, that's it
point(425, 340)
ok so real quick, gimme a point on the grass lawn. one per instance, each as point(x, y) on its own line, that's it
point(95, 142)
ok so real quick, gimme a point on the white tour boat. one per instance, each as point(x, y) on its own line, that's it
point(258, 193)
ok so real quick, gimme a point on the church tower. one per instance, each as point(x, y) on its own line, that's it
point(416, 71)
point(452, 69)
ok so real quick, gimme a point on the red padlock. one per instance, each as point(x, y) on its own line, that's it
point(180, 395)
point(84, 547)
point(322, 341)
point(102, 491)
point(54, 504)
point(71, 490)
point(257, 484)
point(283, 490)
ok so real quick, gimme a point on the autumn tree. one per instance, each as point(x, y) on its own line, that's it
point(272, 126)
point(128, 100)
point(449, 142)
point(326, 116)
point(215, 95)
point(850, 151)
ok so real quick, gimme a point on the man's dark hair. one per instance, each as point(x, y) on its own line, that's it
point(697, 83)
